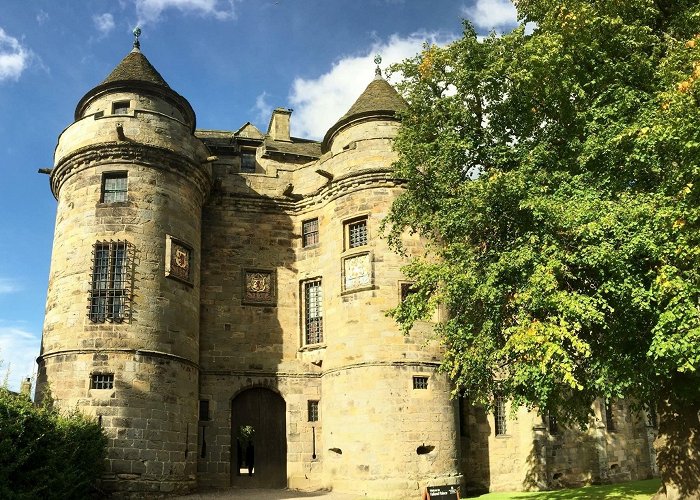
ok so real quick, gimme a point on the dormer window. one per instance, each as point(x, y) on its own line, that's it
point(120, 108)
point(248, 161)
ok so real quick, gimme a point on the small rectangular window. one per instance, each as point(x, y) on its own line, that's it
point(102, 381)
point(309, 229)
point(110, 289)
point(420, 382)
point(406, 290)
point(553, 425)
point(357, 233)
point(313, 411)
point(203, 409)
point(313, 312)
point(248, 161)
point(114, 187)
point(120, 108)
point(609, 416)
point(499, 415)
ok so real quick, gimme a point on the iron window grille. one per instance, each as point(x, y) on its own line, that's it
point(499, 415)
point(114, 187)
point(420, 382)
point(357, 233)
point(102, 381)
point(110, 291)
point(313, 411)
point(313, 312)
point(309, 232)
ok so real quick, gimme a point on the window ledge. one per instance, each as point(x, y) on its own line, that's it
point(114, 204)
point(312, 347)
point(358, 289)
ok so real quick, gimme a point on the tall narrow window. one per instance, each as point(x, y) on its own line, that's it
point(313, 411)
point(248, 161)
point(109, 293)
point(114, 187)
point(499, 415)
point(204, 409)
point(609, 416)
point(309, 231)
point(553, 425)
point(313, 312)
point(356, 233)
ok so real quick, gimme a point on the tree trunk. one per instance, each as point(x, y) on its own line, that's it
point(678, 450)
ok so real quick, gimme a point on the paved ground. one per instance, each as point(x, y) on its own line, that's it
point(259, 494)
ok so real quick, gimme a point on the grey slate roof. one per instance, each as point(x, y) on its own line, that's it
point(135, 67)
point(379, 100)
point(378, 96)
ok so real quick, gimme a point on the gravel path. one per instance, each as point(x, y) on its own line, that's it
point(260, 494)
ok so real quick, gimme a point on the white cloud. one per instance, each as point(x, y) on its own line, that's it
point(319, 102)
point(42, 17)
point(104, 23)
point(18, 351)
point(491, 14)
point(149, 11)
point(7, 286)
point(262, 109)
point(14, 58)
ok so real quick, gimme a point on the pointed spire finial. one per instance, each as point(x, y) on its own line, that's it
point(378, 70)
point(137, 34)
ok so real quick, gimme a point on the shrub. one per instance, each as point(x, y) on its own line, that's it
point(46, 454)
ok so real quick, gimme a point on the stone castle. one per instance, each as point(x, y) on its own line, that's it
point(217, 299)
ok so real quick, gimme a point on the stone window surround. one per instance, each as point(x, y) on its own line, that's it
point(114, 174)
point(245, 300)
point(121, 107)
point(313, 413)
point(312, 234)
point(305, 332)
point(110, 281)
point(101, 381)
point(247, 152)
point(169, 271)
point(344, 259)
point(500, 417)
point(351, 221)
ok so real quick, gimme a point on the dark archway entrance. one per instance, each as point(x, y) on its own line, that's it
point(265, 411)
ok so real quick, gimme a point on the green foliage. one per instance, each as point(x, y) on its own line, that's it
point(44, 454)
point(555, 176)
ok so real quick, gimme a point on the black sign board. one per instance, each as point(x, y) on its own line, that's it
point(443, 492)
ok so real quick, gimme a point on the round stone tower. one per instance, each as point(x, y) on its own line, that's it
point(121, 333)
point(390, 427)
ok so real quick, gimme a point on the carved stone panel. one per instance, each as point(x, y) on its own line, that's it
point(357, 271)
point(259, 287)
point(178, 260)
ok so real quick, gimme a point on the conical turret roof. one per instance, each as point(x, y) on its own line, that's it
point(136, 74)
point(134, 67)
point(378, 100)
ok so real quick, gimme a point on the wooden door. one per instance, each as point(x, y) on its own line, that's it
point(265, 411)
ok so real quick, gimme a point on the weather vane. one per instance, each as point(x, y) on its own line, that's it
point(137, 34)
point(378, 61)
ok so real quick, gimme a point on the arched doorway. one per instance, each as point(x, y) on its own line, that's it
point(260, 461)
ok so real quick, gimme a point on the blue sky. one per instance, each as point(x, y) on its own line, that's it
point(234, 60)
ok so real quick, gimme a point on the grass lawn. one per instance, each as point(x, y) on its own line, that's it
point(637, 490)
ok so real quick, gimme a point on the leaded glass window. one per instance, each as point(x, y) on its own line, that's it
point(313, 312)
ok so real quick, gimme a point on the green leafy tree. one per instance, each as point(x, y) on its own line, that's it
point(46, 454)
point(555, 178)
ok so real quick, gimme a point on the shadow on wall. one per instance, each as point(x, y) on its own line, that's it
point(678, 448)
